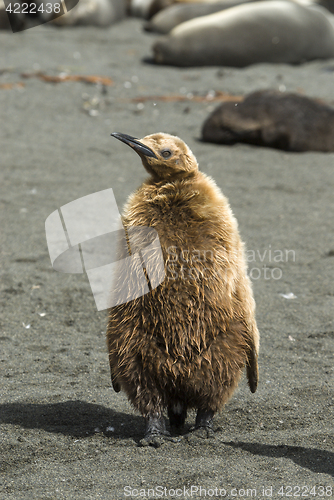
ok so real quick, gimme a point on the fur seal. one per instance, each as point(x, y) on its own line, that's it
point(271, 118)
point(164, 21)
point(184, 344)
point(278, 31)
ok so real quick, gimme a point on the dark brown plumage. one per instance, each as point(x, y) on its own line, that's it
point(274, 119)
point(186, 343)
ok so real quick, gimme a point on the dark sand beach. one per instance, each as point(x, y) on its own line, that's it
point(56, 396)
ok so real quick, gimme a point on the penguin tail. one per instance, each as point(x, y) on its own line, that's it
point(115, 385)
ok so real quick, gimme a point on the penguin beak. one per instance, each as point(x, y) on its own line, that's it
point(133, 142)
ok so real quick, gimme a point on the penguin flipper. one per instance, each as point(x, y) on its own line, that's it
point(115, 385)
point(252, 370)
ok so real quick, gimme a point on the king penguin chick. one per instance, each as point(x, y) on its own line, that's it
point(185, 343)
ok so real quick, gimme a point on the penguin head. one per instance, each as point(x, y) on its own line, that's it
point(164, 156)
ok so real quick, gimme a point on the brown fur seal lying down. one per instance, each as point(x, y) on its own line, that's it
point(184, 344)
point(270, 118)
point(278, 31)
point(164, 21)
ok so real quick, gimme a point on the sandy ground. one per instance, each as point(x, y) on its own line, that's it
point(56, 395)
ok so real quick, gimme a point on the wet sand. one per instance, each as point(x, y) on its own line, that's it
point(56, 395)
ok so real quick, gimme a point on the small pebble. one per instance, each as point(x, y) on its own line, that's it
point(288, 295)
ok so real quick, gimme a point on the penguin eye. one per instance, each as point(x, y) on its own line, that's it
point(166, 153)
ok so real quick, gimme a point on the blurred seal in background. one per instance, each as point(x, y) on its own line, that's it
point(275, 32)
point(164, 21)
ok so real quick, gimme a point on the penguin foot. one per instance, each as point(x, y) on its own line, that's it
point(204, 418)
point(156, 440)
point(203, 427)
point(156, 433)
point(198, 434)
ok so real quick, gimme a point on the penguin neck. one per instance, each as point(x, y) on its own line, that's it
point(176, 178)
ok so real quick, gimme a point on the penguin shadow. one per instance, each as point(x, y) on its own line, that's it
point(78, 419)
point(318, 461)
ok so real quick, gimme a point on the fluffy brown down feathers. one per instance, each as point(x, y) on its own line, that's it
point(190, 338)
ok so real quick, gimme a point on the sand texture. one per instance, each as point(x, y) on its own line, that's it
point(56, 396)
